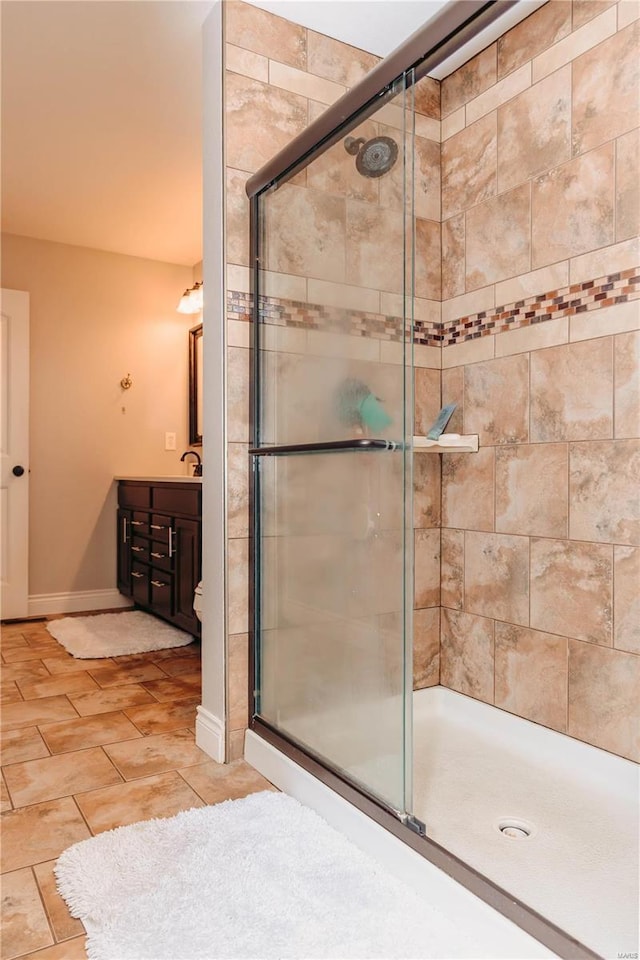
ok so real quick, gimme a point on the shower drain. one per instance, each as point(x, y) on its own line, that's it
point(515, 829)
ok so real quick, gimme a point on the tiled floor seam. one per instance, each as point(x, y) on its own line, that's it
point(82, 816)
point(44, 907)
point(36, 863)
point(191, 787)
point(113, 764)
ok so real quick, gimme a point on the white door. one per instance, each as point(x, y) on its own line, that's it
point(14, 454)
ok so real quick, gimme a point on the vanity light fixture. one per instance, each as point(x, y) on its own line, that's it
point(191, 300)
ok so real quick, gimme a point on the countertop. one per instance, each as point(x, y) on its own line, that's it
point(163, 479)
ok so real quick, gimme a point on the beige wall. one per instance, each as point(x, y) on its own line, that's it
point(95, 317)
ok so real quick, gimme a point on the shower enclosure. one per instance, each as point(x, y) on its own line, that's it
point(332, 426)
point(347, 227)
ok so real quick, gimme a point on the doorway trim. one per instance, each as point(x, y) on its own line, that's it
point(14, 597)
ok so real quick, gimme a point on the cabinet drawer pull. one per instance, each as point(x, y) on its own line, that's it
point(138, 549)
point(125, 538)
point(138, 576)
point(172, 546)
point(137, 523)
point(159, 526)
point(159, 556)
point(159, 583)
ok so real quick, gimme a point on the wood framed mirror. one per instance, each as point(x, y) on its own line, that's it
point(195, 386)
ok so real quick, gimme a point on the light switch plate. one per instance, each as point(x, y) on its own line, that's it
point(170, 441)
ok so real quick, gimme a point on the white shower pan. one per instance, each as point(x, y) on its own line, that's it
point(550, 819)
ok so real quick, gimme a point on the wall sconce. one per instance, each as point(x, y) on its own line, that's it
point(191, 300)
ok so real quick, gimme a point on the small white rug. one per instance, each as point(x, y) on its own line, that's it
point(115, 634)
point(262, 877)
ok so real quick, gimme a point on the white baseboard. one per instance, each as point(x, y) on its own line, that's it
point(493, 934)
point(210, 734)
point(45, 604)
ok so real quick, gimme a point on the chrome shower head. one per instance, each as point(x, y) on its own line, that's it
point(374, 157)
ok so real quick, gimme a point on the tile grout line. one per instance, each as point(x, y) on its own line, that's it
point(4, 780)
point(191, 787)
point(44, 907)
point(568, 684)
point(614, 425)
point(551, 633)
point(82, 816)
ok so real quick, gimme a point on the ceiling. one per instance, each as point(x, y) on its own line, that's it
point(378, 26)
point(101, 113)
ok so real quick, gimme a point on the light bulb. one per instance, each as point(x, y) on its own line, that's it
point(197, 295)
point(187, 303)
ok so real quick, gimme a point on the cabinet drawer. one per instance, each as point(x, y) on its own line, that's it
point(186, 500)
point(159, 556)
point(140, 584)
point(134, 495)
point(140, 549)
point(161, 592)
point(140, 523)
point(160, 528)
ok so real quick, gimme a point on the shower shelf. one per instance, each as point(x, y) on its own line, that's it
point(447, 443)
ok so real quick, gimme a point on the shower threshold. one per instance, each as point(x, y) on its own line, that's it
point(550, 819)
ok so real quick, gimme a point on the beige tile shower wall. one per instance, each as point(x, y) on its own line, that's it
point(427, 521)
point(279, 77)
point(541, 529)
point(267, 96)
point(540, 155)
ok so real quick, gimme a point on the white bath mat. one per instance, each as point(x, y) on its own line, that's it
point(115, 634)
point(259, 877)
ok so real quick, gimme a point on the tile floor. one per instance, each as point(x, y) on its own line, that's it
point(89, 745)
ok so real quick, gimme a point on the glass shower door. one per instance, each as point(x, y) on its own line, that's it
point(332, 455)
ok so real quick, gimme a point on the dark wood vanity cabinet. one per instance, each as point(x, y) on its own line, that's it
point(160, 547)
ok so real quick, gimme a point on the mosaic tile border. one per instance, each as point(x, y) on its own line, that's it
point(564, 302)
point(310, 316)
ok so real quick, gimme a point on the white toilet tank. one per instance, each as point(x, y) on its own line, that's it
point(197, 601)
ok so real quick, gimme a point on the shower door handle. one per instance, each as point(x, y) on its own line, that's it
point(330, 446)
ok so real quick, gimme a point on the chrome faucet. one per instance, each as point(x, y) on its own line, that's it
point(197, 470)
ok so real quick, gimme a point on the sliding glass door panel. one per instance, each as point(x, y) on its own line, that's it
point(331, 452)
